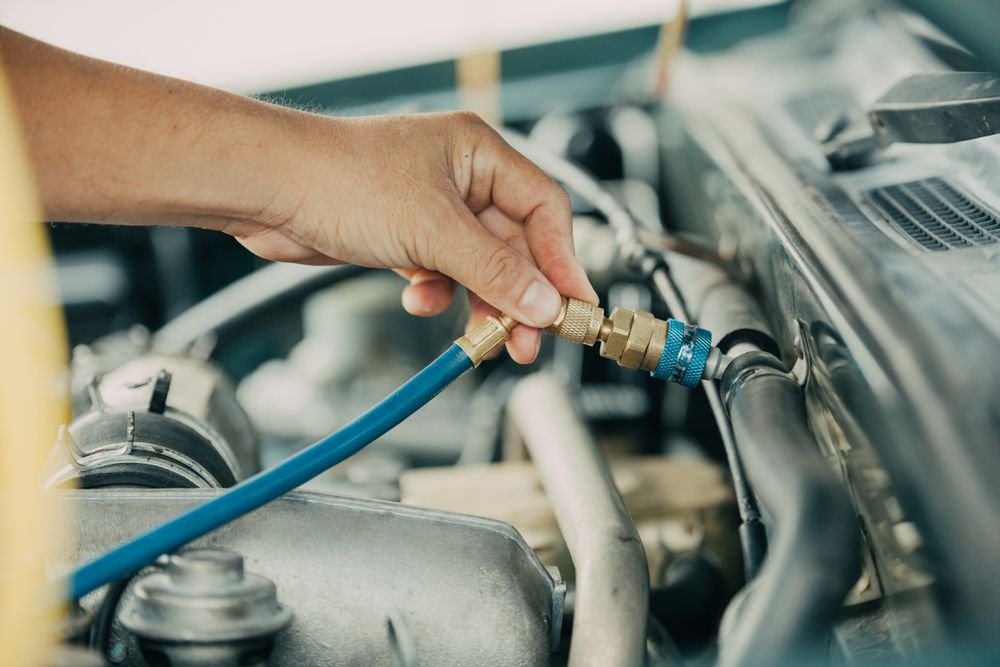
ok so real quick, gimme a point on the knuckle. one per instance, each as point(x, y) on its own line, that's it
point(552, 264)
point(561, 197)
point(498, 272)
point(469, 119)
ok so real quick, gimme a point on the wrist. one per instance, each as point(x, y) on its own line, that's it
point(300, 153)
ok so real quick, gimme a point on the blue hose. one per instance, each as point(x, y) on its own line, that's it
point(268, 485)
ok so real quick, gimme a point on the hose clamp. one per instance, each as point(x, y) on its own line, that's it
point(750, 366)
point(684, 354)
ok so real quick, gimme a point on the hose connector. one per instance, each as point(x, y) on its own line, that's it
point(486, 337)
point(669, 350)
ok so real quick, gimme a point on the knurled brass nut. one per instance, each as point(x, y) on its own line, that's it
point(578, 322)
point(638, 339)
point(621, 324)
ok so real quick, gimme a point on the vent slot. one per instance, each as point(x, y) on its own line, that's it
point(935, 215)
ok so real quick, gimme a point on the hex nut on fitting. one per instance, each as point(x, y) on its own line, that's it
point(657, 341)
point(633, 338)
point(638, 339)
point(621, 325)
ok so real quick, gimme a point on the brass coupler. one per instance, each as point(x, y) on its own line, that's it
point(669, 350)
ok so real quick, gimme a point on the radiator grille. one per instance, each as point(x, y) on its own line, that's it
point(935, 215)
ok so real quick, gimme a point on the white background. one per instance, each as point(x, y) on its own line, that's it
point(255, 45)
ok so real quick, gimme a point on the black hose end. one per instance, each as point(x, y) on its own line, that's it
point(753, 539)
point(746, 361)
point(746, 335)
point(647, 262)
point(638, 257)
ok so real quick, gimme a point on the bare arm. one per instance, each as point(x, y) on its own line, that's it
point(439, 197)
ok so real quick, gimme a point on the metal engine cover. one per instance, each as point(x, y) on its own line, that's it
point(460, 590)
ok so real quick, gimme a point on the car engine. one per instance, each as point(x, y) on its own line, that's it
point(776, 442)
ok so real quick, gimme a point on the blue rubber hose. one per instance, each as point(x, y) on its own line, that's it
point(270, 484)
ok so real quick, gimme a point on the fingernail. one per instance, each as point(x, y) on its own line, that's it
point(413, 304)
point(539, 305)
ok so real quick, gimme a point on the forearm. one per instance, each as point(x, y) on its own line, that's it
point(113, 144)
point(439, 197)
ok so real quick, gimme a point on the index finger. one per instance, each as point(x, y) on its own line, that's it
point(526, 194)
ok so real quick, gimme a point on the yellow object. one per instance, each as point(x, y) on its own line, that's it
point(487, 337)
point(478, 77)
point(32, 399)
point(668, 46)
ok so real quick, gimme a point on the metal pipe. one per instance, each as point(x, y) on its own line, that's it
point(721, 305)
point(812, 561)
point(612, 578)
point(248, 296)
point(753, 537)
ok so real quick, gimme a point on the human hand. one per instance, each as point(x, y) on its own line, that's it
point(440, 198)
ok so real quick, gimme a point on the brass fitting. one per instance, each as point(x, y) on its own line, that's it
point(487, 337)
point(578, 322)
point(633, 338)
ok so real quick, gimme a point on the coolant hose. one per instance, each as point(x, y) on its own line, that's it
point(284, 477)
point(812, 561)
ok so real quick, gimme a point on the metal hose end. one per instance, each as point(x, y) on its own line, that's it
point(487, 337)
point(669, 350)
point(578, 322)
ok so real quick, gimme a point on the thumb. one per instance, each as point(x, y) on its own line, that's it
point(500, 275)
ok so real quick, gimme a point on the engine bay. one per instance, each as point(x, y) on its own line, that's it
point(812, 486)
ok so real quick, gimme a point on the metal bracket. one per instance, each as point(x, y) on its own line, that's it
point(939, 108)
point(802, 369)
point(80, 459)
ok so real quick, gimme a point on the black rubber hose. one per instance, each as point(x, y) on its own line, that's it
point(100, 631)
point(813, 556)
point(753, 537)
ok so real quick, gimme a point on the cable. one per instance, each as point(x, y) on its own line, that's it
point(583, 184)
point(287, 475)
point(100, 630)
point(753, 538)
